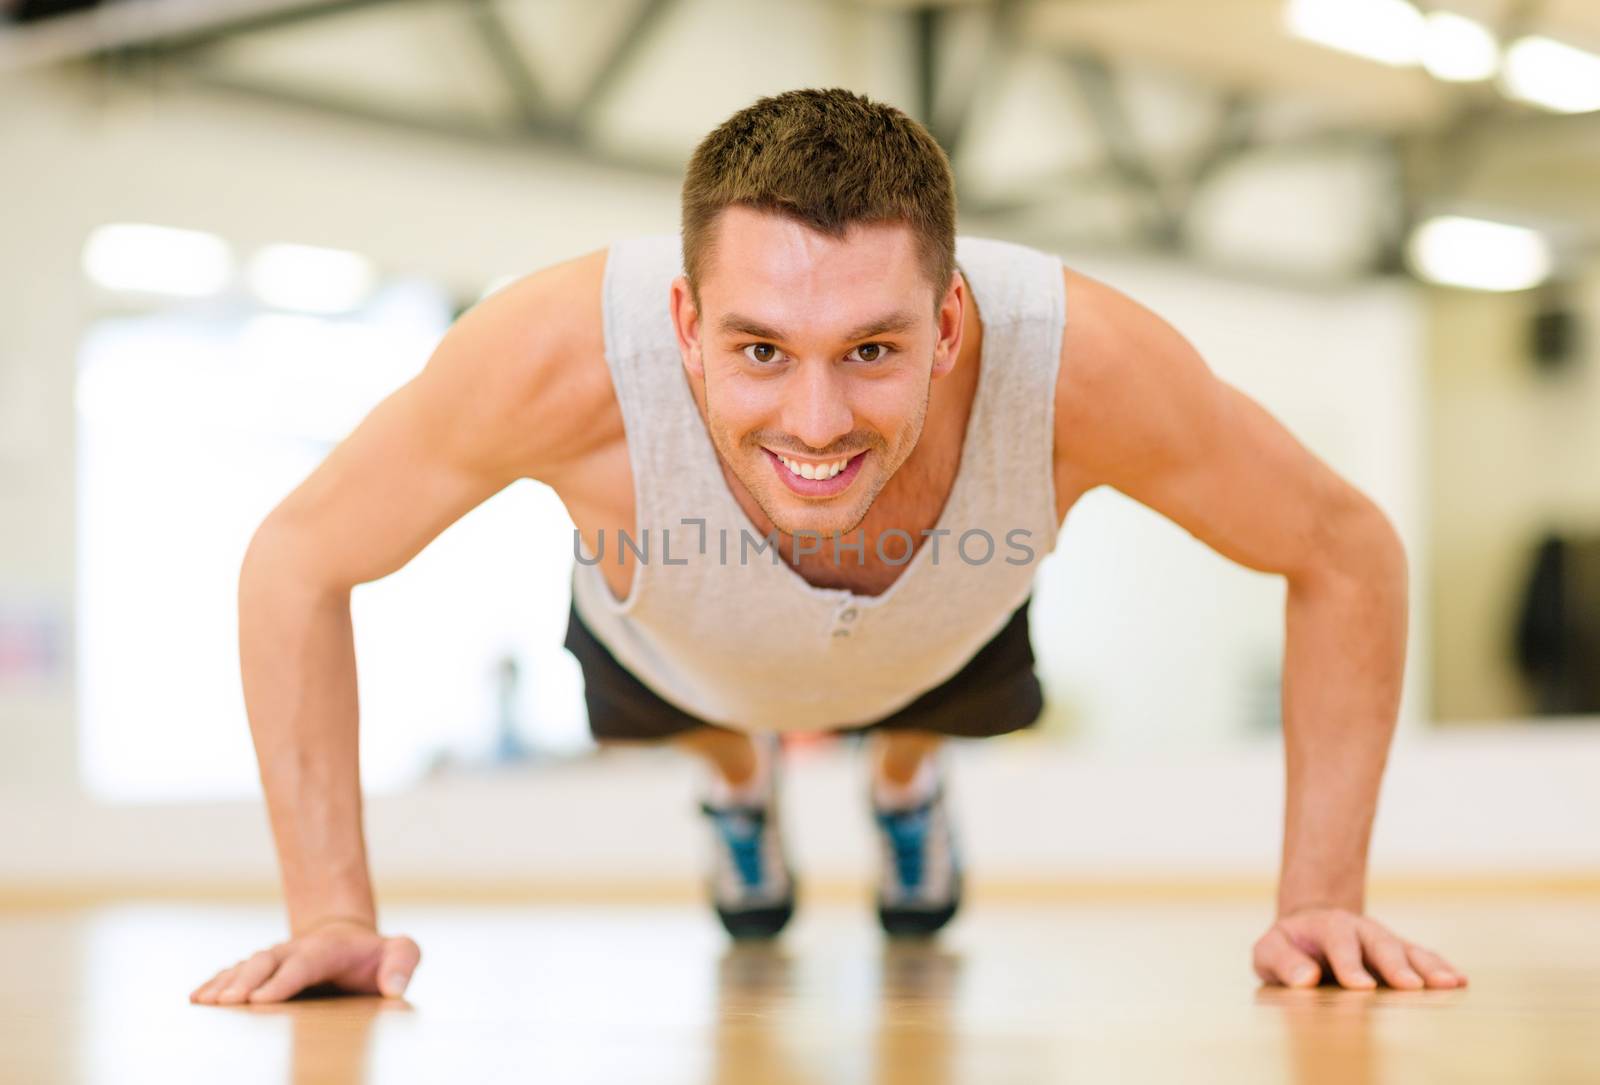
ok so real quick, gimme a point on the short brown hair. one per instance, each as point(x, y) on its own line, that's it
point(829, 159)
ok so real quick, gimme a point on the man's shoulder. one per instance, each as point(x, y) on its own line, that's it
point(559, 302)
point(534, 353)
point(547, 320)
point(1126, 380)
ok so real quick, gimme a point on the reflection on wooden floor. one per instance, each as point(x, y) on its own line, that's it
point(1143, 992)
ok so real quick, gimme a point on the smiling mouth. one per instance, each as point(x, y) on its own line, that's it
point(821, 479)
point(819, 471)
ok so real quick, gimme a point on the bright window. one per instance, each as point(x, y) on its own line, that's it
point(192, 425)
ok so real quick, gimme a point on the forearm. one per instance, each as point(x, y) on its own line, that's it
point(297, 661)
point(1344, 658)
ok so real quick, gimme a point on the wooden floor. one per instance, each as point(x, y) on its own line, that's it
point(1157, 992)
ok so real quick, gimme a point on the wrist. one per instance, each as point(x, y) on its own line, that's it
point(363, 920)
point(1291, 902)
point(1325, 883)
point(344, 896)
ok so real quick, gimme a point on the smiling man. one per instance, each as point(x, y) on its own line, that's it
point(849, 436)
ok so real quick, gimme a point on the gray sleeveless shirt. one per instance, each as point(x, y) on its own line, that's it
point(719, 624)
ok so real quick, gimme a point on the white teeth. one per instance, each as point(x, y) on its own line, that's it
point(806, 470)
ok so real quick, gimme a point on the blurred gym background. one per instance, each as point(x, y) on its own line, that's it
point(231, 226)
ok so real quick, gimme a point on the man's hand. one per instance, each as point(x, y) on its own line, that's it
point(345, 954)
point(1301, 944)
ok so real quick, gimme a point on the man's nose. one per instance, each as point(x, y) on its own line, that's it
point(816, 410)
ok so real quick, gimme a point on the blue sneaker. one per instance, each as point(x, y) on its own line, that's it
point(920, 890)
point(752, 884)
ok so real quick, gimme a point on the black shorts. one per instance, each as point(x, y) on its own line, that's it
point(996, 692)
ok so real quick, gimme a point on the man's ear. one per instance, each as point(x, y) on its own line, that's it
point(686, 323)
point(952, 309)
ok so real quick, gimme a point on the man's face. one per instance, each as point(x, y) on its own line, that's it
point(818, 351)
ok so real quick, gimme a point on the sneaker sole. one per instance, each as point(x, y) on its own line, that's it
point(756, 923)
point(915, 922)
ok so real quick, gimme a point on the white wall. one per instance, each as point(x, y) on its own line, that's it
point(42, 312)
point(1486, 806)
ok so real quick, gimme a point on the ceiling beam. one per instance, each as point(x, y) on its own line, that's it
point(133, 23)
point(999, 43)
point(542, 136)
point(640, 29)
point(1097, 84)
point(500, 45)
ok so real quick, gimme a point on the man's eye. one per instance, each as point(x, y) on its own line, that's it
point(871, 352)
point(761, 352)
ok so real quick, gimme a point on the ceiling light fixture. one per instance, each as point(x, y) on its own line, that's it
point(1478, 254)
point(135, 257)
point(1553, 74)
point(308, 279)
point(1457, 49)
point(1388, 31)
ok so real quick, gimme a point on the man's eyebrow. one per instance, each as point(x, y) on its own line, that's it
point(889, 323)
point(734, 324)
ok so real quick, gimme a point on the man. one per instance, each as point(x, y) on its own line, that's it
point(829, 375)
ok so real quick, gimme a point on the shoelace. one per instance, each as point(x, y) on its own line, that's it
point(908, 837)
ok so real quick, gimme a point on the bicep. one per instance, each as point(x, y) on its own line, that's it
point(1138, 409)
point(1253, 493)
point(496, 402)
point(383, 493)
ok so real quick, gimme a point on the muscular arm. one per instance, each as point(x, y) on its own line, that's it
point(1139, 410)
point(497, 401)
point(389, 488)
